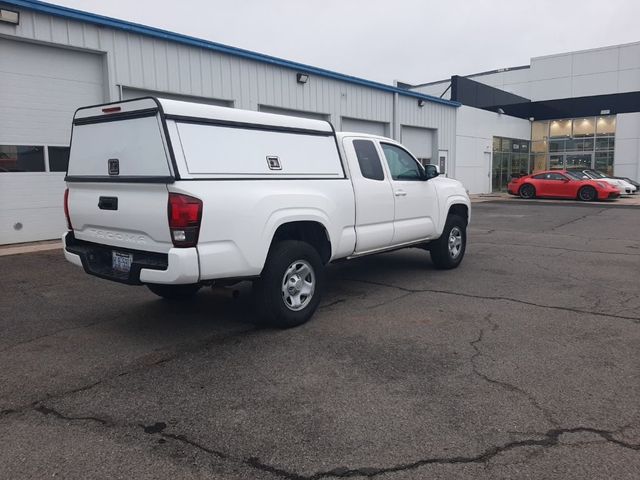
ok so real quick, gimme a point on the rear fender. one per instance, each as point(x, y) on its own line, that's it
point(290, 215)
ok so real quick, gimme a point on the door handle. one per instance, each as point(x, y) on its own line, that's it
point(400, 193)
point(108, 203)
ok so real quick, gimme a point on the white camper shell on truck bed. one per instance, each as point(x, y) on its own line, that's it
point(176, 195)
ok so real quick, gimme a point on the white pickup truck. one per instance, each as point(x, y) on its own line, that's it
point(176, 195)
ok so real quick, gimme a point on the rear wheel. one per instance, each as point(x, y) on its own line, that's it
point(448, 250)
point(587, 194)
point(527, 191)
point(174, 292)
point(289, 289)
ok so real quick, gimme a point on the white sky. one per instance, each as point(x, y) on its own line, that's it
point(409, 40)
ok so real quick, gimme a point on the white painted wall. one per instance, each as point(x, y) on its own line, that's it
point(76, 63)
point(598, 71)
point(474, 144)
point(626, 160)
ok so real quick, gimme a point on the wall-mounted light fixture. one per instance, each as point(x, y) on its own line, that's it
point(302, 78)
point(500, 111)
point(531, 119)
point(421, 102)
point(9, 16)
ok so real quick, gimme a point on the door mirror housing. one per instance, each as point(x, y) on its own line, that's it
point(431, 171)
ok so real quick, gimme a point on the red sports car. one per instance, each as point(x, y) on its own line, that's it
point(561, 184)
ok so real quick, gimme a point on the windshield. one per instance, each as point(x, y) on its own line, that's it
point(597, 174)
point(576, 175)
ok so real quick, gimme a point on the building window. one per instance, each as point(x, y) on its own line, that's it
point(58, 159)
point(510, 159)
point(21, 158)
point(586, 142)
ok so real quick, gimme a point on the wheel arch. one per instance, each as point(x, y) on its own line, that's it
point(458, 205)
point(525, 184)
point(309, 230)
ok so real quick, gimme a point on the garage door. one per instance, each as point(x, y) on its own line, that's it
point(40, 89)
point(129, 93)
point(419, 141)
point(364, 126)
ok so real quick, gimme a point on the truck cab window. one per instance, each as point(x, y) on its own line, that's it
point(368, 159)
point(401, 165)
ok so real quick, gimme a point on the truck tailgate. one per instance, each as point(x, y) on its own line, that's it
point(128, 215)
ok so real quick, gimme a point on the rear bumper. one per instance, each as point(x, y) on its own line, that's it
point(178, 266)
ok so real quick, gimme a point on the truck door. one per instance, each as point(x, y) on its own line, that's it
point(373, 194)
point(416, 202)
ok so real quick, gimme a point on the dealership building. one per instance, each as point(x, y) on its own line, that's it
point(572, 109)
point(577, 109)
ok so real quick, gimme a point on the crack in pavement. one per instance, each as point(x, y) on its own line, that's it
point(581, 217)
point(50, 411)
point(551, 438)
point(56, 332)
point(507, 386)
point(176, 353)
point(599, 252)
point(491, 297)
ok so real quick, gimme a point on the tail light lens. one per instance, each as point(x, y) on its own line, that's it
point(66, 208)
point(185, 215)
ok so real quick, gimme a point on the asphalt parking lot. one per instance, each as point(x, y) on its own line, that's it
point(522, 363)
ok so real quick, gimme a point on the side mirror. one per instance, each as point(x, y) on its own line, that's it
point(431, 171)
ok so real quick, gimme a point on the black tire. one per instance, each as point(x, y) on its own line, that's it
point(587, 194)
point(527, 191)
point(174, 292)
point(442, 256)
point(275, 305)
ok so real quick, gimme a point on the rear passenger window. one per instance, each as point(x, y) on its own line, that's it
point(368, 159)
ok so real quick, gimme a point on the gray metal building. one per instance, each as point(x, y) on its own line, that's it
point(54, 59)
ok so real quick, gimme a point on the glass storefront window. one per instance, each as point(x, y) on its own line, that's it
point(557, 145)
point(606, 125)
point(539, 162)
point(584, 142)
point(584, 127)
point(560, 128)
point(604, 162)
point(21, 158)
point(510, 158)
point(539, 130)
point(539, 147)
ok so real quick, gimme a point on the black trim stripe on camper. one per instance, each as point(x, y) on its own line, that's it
point(116, 117)
point(248, 126)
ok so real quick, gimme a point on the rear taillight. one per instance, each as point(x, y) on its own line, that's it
point(66, 208)
point(185, 214)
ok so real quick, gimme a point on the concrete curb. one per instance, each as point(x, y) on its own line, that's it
point(30, 247)
point(626, 201)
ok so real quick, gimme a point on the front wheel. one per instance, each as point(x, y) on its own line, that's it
point(448, 250)
point(289, 289)
point(174, 292)
point(587, 194)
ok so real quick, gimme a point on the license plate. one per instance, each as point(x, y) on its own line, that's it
point(121, 262)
